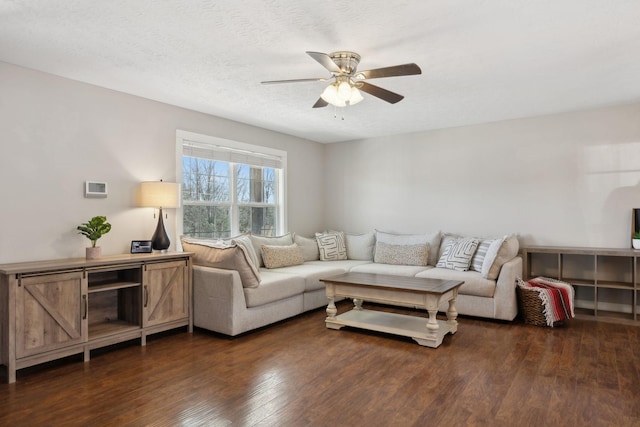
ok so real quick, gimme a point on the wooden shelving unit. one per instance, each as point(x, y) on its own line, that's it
point(606, 280)
point(52, 309)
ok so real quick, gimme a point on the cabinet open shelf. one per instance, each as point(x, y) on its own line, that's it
point(606, 281)
point(100, 330)
point(111, 286)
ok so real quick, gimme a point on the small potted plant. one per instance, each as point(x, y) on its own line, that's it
point(635, 242)
point(93, 230)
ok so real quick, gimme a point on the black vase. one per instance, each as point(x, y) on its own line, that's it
point(160, 240)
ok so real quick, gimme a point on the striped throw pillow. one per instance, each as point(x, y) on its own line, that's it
point(481, 252)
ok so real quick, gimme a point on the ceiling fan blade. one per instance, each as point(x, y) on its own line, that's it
point(386, 95)
point(320, 103)
point(396, 70)
point(326, 61)
point(269, 82)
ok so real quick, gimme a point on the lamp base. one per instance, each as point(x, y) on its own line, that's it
point(160, 240)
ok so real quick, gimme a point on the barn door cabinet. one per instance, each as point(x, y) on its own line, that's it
point(54, 309)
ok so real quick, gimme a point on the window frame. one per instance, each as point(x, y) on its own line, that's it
point(238, 149)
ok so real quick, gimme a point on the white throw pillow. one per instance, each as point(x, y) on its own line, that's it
point(360, 246)
point(401, 254)
point(457, 255)
point(432, 239)
point(308, 246)
point(331, 245)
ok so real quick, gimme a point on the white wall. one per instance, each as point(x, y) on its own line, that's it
point(566, 179)
point(57, 133)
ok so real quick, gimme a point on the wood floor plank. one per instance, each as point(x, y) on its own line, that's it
point(299, 373)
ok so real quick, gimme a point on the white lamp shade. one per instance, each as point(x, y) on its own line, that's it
point(159, 194)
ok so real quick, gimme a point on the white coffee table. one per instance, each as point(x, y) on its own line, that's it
point(387, 289)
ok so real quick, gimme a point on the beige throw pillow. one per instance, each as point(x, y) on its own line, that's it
point(401, 254)
point(281, 256)
point(499, 252)
point(258, 241)
point(229, 257)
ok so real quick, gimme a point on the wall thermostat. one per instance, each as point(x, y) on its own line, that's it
point(95, 189)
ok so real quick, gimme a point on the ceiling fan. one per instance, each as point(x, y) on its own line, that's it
point(347, 82)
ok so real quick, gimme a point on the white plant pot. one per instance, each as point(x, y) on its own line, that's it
point(635, 243)
point(94, 253)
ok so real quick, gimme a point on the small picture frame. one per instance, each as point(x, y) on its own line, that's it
point(141, 247)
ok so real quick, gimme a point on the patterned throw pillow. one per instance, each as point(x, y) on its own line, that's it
point(481, 253)
point(401, 254)
point(457, 256)
point(332, 246)
point(281, 256)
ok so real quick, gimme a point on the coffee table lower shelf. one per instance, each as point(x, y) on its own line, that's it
point(394, 323)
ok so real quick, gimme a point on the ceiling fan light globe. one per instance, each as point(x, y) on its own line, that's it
point(330, 95)
point(344, 91)
point(356, 96)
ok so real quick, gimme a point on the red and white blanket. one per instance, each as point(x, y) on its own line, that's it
point(556, 297)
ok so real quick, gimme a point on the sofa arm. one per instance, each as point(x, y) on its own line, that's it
point(218, 299)
point(505, 301)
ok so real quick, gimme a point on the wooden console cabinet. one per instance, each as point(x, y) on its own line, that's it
point(606, 281)
point(53, 309)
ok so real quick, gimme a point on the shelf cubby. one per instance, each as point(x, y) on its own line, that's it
point(605, 280)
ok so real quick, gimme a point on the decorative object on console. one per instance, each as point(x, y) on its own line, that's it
point(159, 194)
point(93, 230)
point(635, 228)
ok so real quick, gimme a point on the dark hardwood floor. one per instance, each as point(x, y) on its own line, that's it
point(298, 373)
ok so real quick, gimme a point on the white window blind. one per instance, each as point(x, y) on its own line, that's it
point(232, 155)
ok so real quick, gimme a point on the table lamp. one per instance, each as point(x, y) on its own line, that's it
point(159, 194)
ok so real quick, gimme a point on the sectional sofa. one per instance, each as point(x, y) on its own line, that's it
point(253, 281)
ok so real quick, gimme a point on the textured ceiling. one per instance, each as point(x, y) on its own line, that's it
point(481, 61)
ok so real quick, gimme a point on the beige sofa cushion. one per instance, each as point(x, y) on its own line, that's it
point(313, 272)
point(396, 270)
point(500, 251)
point(274, 288)
point(229, 257)
point(474, 283)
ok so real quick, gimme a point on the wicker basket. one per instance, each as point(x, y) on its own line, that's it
point(530, 306)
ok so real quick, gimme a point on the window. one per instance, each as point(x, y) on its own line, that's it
point(229, 188)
